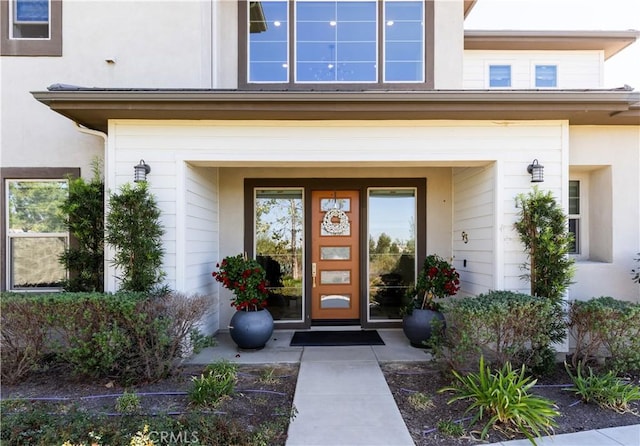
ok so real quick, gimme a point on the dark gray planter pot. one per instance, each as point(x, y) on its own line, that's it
point(418, 328)
point(251, 330)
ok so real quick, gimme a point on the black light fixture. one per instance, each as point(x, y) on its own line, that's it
point(537, 172)
point(140, 171)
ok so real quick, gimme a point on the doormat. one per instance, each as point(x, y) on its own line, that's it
point(335, 338)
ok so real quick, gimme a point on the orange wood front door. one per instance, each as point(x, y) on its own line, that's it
point(335, 254)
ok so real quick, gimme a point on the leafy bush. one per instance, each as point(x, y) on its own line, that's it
point(504, 397)
point(128, 403)
point(543, 230)
point(133, 229)
point(606, 326)
point(130, 337)
point(607, 391)
point(510, 327)
point(216, 382)
point(24, 335)
point(84, 210)
point(450, 428)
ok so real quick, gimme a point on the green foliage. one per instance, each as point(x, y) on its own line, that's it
point(606, 326)
point(24, 334)
point(636, 271)
point(504, 398)
point(200, 341)
point(84, 210)
point(511, 327)
point(128, 403)
point(216, 382)
point(130, 337)
point(450, 428)
point(543, 231)
point(420, 401)
point(268, 376)
point(607, 391)
point(34, 206)
point(436, 279)
point(246, 278)
point(134, 230)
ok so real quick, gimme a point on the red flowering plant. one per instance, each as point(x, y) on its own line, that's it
point(246, 278)
point(436, 280)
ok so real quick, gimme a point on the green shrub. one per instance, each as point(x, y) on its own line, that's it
point(450, 428)
point(606, 326)
point(504, 397)
point(24, 335)
point(130, 337)
point(133, 228)
point(607, 391)
point(128, 403)
point(84, 211)
point(216, 382)
point(543, 230)
point(507, 326)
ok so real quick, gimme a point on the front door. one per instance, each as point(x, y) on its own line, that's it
point(335, 255)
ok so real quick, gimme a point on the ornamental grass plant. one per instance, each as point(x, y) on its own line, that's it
point(503, 397)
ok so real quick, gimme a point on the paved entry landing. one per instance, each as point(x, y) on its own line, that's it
point(343, 399)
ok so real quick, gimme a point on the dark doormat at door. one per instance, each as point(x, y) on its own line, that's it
point(335, 338)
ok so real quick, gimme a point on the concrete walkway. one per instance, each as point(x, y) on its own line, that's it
point(343, 399)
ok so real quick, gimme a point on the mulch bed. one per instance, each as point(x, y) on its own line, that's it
point(407, 378)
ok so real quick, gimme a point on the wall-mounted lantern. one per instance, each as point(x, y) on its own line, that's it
point(140, 171)
point(537, 172)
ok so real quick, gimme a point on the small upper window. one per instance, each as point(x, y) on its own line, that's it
point(31, 27)
point(30, 19)
point(546, 76)
point(499, 76)
point(336, 41)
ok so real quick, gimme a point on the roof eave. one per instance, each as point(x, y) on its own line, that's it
point(93, 108)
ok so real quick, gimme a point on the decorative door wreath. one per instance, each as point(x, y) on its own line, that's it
point(332, 227)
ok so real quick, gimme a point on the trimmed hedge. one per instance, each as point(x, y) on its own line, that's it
point(607, 329)
point(504, 326)
point(130, 337)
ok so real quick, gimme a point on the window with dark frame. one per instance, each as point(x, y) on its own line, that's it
point(330, 42)
point(31, 28)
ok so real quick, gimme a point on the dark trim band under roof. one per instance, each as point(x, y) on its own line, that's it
point(94, 107)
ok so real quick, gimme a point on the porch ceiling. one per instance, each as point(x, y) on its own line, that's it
point(94, 107)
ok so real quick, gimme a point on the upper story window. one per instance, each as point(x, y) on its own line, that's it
point(335, 42)
point(31, 28)
point(546, 76)
point(499, 76)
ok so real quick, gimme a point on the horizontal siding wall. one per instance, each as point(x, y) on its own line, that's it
point(473, 215)
point(576, 69)
point(200, 249)
point(473, 147)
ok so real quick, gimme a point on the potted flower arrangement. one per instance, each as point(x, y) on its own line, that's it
point(252, 324)
point(436, 279)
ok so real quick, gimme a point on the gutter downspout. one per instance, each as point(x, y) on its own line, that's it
point(105, 139)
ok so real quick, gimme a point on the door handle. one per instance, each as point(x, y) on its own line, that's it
point(314, 272)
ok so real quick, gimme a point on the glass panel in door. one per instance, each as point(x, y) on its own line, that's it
point(279, 235)
point(392, 250)
point(335, 255)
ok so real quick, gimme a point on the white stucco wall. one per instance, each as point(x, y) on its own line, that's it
point(448, 48)
point(610, 157)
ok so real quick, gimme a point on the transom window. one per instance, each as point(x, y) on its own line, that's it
point(329, 41)
point(574, 215)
